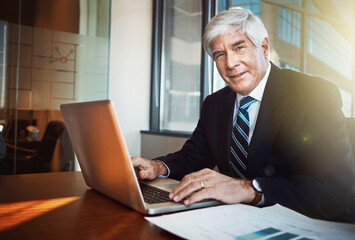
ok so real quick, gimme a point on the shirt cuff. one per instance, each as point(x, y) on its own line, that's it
point(258, 187)
point(165, 176)
point(262, 201)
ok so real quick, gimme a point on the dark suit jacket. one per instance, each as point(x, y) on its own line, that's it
point(2, 147)
point(299, 153)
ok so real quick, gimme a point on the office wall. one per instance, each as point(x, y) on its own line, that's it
point(130, 63)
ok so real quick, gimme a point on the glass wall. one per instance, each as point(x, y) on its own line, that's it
point(52, 52)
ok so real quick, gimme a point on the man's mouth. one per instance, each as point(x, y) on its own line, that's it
point(238, 75)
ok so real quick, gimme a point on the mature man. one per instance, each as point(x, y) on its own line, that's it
point(277, 136)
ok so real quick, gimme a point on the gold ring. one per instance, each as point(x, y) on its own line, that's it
point(202, 185)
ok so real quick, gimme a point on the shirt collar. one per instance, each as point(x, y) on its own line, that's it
point(258, 92)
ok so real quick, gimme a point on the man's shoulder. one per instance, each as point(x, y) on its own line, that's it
point(221, 94)
point(222, 97)
point(299, 78)
point(303, 82)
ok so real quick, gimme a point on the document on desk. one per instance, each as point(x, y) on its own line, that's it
point(243, 222)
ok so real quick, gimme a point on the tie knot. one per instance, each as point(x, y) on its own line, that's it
point(245, 102)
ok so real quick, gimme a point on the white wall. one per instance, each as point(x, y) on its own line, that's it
point(130, 65)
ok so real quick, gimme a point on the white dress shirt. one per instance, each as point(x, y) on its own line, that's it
point(253, 109)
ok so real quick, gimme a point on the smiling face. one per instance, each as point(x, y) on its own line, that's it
point(240, 63)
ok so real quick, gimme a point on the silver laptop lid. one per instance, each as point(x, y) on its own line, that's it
point(102, 152)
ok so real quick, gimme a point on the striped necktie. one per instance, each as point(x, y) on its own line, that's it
point(240, 138)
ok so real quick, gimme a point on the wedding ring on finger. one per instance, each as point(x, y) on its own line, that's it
point(202, 185)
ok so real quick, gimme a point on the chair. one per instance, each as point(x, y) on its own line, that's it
point(39, 159)
point(53, 131)
point(9, 129)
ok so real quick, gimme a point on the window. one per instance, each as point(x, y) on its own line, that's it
point(310, 36)
point(182, 72)
point(180, 66)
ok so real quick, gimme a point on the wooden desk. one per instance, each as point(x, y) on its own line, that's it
point(61, 206)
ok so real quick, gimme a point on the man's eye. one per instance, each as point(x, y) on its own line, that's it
point(239, 48)
point(218, 55)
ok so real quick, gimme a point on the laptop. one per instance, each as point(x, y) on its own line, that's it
point(106, 164)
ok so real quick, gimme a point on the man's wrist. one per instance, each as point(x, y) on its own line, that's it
point(258, 193)
point(163, 170)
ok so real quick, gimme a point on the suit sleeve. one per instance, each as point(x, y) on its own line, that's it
point(194, 155)
point(319, 182)
point(2, 147)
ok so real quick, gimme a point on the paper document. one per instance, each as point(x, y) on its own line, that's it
point(243, 222)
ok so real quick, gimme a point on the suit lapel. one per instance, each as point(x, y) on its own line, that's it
point(270, 115)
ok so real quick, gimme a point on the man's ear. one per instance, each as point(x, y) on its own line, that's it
point(265, 45)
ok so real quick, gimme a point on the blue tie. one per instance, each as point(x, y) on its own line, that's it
point(240, 138)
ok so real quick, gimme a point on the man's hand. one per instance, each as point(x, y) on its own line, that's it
point(209, 184)
point(148, 169)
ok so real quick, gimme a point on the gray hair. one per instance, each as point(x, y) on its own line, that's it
point(237, 19)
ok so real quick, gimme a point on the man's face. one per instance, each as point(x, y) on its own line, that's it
point(240, 63)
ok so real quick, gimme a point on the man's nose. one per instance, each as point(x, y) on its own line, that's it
point(232, 60)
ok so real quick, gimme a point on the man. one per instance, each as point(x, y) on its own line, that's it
point(287, 144)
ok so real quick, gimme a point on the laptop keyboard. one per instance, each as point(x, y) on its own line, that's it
point(153, 195)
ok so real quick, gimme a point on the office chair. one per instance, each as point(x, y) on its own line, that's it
point(9, 129)
point(53, 131)
point(40, 159)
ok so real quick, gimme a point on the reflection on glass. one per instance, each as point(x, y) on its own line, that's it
point(286, 45)
point(289, 3)
point(181, 61)
point(329, 55)
point(327, 45)
point(252, 5)
point(340, 11)
point(330, 45)
point(52, 52)
point(289, 27)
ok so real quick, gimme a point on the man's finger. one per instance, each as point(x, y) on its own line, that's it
point(187, 191)
point(205, 193)
point(135, 161)
point(188, 179)
point(148, 174)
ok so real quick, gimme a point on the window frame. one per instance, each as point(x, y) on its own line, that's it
point(208, 11)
